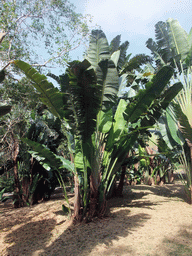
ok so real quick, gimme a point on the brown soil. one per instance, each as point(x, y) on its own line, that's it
point(146, 221)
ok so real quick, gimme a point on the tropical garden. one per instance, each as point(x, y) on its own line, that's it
point(103, 123)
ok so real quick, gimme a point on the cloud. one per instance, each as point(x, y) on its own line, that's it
point(135, 16)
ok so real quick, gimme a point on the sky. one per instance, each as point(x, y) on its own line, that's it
point(134, 20)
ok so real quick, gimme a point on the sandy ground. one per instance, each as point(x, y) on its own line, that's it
point(146, 221)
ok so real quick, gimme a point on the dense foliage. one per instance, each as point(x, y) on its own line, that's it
point(96, 126)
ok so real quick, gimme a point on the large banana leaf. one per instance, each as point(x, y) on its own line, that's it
point(151, 45)
point(49, 95)
point(172, 126)
point(107, 78)
point(105, 120)
point(98, 48)
point(135, 63)
point(163, 41)
point(48, 157)
point(118, 126)
point(145, 97)
point(173, 43)
point(178, 39)
point(85, 96)
point(123, 58)
point(163, 101)
point(119, 121)
point(115, 43)
point(184, 124)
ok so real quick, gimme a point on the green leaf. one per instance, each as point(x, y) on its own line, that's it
point(135, 63)
point(115, 43)
point(171, 93)
point(178, 39)
point(145, 97)
point(48, 157)
point(85, 96)
point(173, 127)
point(123, 58)
point(185, 126)
point(1, 193)
point(107, 78)
point(65, 209)
point(105, 120)
point(50, 95)
point(163, 41)
point(115, 57)
point(98, 48)
point(120, 122)
point(151, 45)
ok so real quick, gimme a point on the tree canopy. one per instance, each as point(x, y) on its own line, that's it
point(41, 32)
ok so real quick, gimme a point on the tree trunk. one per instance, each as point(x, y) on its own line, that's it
point(17, 193)
point(25, 190)
point(119, 190)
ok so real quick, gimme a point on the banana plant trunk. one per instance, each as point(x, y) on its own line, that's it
point(77, 200)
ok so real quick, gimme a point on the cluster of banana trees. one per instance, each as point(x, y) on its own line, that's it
point(174, 46)
point(100, 127)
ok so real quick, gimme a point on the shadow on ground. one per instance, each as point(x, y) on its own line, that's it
point(9, 216)
point(82, 239)
point(176, 191)
point(32, 238)
point(33, 234)
point(179, 245)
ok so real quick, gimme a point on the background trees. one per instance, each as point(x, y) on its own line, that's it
point(40, 32)
point(32, 28)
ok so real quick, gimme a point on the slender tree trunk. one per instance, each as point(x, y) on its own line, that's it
point(190, 182)
point(17, 193)
point(77, 202)
point(119, 190)
point(190, 189)
point(25, 189)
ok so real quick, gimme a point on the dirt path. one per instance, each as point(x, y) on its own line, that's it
point(148, 220)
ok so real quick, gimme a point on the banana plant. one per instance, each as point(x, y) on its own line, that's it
point(174, 45)
point(103, 128)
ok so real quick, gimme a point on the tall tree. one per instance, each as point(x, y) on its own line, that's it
point(40, 31)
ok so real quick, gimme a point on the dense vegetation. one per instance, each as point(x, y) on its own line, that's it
point(109, 118)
